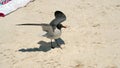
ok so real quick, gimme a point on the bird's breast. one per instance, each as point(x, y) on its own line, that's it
point(57, 33)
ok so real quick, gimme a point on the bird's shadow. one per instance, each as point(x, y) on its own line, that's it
point(44, 46)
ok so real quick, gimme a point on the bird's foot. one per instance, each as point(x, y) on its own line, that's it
point(59, 46)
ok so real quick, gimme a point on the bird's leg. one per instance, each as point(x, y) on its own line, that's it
point(58, 44)
point(52, 45)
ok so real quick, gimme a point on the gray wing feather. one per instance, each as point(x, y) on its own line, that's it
point(45, 27)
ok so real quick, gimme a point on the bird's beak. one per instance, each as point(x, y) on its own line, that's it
point(64, 26)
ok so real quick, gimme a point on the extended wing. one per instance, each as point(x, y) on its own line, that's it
point(59, 18)
point(45, 27)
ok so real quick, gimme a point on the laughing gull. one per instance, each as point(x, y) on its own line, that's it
point(54, 28)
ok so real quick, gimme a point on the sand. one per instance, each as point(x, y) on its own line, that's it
point(92, 39)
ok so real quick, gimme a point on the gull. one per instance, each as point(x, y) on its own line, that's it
point(53, 29)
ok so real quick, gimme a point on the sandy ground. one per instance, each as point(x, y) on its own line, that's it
point(92, 39)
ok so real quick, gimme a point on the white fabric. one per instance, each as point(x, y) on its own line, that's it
point(12, 6)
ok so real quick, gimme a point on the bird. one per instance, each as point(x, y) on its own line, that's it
point(53, 29)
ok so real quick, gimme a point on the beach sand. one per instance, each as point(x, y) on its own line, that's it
point(92, 39)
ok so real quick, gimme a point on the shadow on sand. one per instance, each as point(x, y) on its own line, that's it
point(44, 46)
